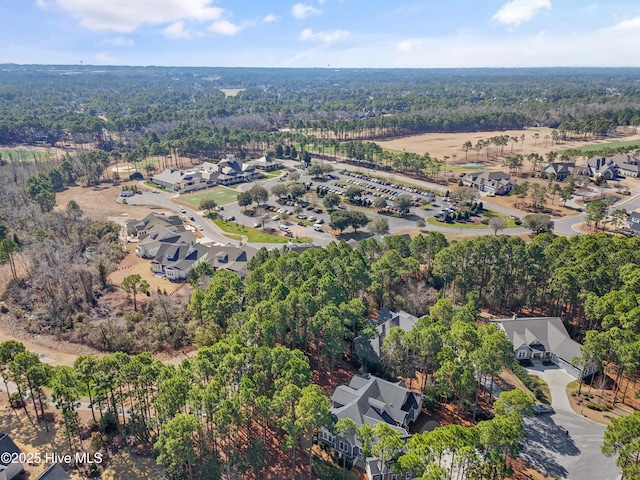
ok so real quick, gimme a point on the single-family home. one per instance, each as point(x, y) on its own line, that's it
point(496, 183)
point(561, 170)
point(602, 167)
point(177, 260)
point(544, 339)
point(10, 467)
point(633, 222)
point(54, 472)
point(135, 228)
point(151, 241)
point(385, 322)
point(231, 258)
point(371, 400)
point(628, 165)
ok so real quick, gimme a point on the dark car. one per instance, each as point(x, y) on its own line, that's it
point(540, 409)
point(231, 218)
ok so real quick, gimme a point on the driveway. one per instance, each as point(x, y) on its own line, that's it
point(565, 444)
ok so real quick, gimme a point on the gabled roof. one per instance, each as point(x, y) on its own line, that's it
point(371, 400)
point(230, 257)
point(560, 167)
point(627, 162)
point(54, 472)
point(7, 445)
point(541, 333)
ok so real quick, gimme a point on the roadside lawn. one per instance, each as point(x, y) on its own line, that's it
point(487, 214)
point(221, 195)
point(254, 235)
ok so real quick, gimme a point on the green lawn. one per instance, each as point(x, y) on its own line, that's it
point(221, 195)
point(273, 173)
point(20, 154)
point(607, 146)
point(486, 214)
point(254, 235)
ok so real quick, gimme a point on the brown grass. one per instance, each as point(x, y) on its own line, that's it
point(100, 202)
point(450, 144)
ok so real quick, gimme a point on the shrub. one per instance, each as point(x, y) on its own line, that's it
point(485, 221)
point(595, 406)
point(517, 221)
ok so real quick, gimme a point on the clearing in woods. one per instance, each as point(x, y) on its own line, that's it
point(449, 144)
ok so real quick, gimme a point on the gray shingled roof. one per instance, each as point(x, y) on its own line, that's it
point(541, 333)
point(54, 472)
point(371, 400)
point(7, 445)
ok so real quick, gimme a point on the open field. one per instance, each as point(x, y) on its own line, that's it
point(449, 144)
point(221, 195)
point(231, 92)
point(100, 202)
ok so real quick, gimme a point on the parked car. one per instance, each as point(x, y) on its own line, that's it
point(200, 227)
point(275, 218)
point(540, 409)
point(231, 218)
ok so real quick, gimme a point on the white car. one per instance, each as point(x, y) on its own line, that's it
point(200, 227)
point(312, 218)
point(275, 218)
point(284, 228)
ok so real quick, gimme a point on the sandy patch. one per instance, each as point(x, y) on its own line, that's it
point(450, 144)
point(100, 202)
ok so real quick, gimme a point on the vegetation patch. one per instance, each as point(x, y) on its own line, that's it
point(221, 195)
point(254, 235)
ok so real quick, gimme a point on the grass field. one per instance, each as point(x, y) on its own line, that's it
point(147, 161)
point(221, 195)
point(254, 235)
point(21, 154)
point(611, 145)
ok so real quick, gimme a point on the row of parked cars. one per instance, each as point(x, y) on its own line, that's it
point(396, 186)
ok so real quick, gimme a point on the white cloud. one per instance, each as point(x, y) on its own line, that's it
point(270, 18)
point(224, 27)
point(516, 12)
point(300, 10)
point(409, 45)
point(120, 41)
point(329, 36)
point(177, 31)
point(630, 25)
point(128, 15)
point(105, 58)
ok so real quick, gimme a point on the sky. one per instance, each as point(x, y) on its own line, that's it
point(322, 33)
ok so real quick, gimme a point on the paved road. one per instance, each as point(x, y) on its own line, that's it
point(574, 455)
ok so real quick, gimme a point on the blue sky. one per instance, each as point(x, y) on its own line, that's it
point(321, 33)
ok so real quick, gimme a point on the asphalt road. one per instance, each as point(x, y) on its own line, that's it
point(574, 455)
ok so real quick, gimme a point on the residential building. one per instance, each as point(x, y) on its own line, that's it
point(385, 322)
point(602, 167)
point(495, 183)
point(175, 261)
point(628, 165)
point(371, 400)
point(136, 228)
point(561, 170)
point(633, 222)
point(153, 238)
point(54, 472)
point(544, 339)
point(231, 258)
point(9, 469)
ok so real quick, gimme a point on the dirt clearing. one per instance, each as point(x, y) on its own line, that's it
point(450, 144)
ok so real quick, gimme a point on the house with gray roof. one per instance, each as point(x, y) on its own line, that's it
point(371, 400)
point(544, 339)
point(54, 472)
point(496, 183)
point(9, 469)
point(561, 170)
point(633, 222)
point(181, 180)
point(385, 322)
point(231, 258)
point(137, 228)
point(175, 261)
point(151, 241)
point(266, 164)
point(602, 167)
point(628, 165)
